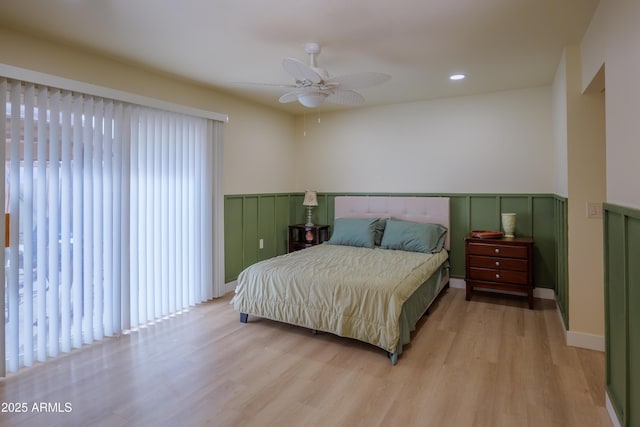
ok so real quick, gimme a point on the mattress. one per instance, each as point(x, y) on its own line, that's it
point(349, 291)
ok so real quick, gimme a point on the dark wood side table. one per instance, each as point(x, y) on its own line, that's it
point(304, 236)
point(504, 264)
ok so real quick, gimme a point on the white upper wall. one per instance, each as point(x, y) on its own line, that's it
point(259, 152)
point(499, 143)
point(613, 37)
point(560, 132)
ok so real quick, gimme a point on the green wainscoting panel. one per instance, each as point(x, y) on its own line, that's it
point(484, 213)
point(633, 279)
point(615, 308)
point(298, 212)
point(249, 218)
point(323, 213)
point(282, 215)
point(252, 217)
point(267, 227)
point(459, 221)
point(233, 241)
point(622, 311)
point(540, 222)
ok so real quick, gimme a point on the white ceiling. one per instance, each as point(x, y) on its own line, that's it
point(499, 44)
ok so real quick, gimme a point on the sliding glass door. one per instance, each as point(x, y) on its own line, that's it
point(110, 209)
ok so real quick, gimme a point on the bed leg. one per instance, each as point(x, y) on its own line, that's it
point(393, 357)
point(244, 317)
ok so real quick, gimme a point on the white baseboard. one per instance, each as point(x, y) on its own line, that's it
point(564, 327)
point(457, 283)
point(544, 293)
point(584, 340)
point(613, 416)
point(581, 339)
point(229, 287)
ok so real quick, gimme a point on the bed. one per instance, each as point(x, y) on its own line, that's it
point(385, 264)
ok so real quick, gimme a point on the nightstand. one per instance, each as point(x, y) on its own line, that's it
point(504, 264)
point(304, 236)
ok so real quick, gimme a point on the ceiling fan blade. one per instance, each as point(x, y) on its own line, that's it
point(267, 85)
point(300, 71)
point(289, 97)
point(345, 97)
point(360, 80)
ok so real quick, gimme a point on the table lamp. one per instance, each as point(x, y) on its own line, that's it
point(310, 201)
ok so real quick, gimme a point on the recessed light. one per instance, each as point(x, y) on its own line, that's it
point(457, 76)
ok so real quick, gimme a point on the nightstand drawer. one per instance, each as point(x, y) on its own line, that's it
point(497, 250)
point(498, 263)
point(502, 276)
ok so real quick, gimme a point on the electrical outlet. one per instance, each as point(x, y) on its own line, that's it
point(594, 210)
point(261, 243)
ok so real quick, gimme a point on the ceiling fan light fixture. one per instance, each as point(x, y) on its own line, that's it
point(312, 100)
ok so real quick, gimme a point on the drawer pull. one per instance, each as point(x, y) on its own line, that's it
point(497, 250)
point(497, 263)
point(497, 276)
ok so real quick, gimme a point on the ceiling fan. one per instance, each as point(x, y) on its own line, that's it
point(313, 85)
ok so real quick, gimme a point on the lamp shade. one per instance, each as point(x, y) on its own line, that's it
point(310, 198)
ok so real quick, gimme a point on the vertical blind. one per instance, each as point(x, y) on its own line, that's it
point(112, 212)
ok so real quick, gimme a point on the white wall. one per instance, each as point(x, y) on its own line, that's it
point(499, 143)
point(259, 152)
point(259, 141)
point(579, 136)
point(613, 38)
point(559, 91)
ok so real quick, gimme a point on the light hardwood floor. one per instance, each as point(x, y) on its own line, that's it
point(488, 362)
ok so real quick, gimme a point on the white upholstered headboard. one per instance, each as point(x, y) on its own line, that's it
point(417, 209)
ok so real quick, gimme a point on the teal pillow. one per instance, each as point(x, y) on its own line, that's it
point(379, 231)
point(413, 236)
point(354, 232)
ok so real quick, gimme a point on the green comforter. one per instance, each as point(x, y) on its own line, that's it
point(348, 291)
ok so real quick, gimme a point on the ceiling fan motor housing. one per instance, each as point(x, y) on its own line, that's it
point(312, 48)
